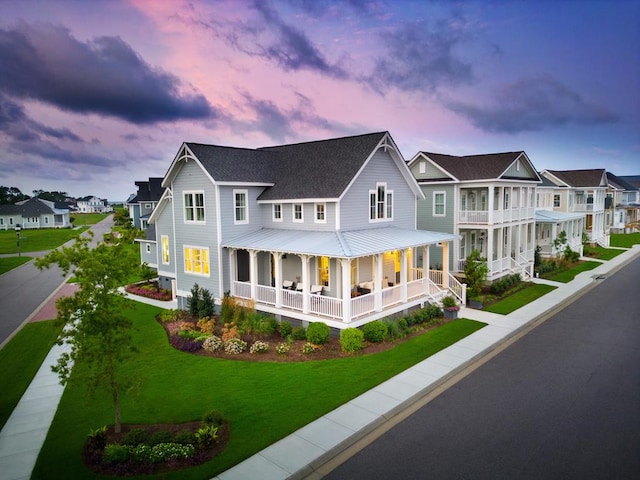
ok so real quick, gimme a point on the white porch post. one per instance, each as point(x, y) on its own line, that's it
point(378, 283)
point(445, 265)
point(490, 245)
point(277, 258)
point(490, 205)
point(426, 249)
point(305, 282)
point(233, 271)
point(253, 272)
point(403, 275)
point(345, 263)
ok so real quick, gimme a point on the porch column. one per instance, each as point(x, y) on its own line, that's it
point(345, 263)
point(403, 275)
point(426, 249)
point(445, 265)
point(277, 261)
point(305, 282)
point(233, 270)
point(378, 283)
point(253, 272)
point(490, 205)
point(490, 246)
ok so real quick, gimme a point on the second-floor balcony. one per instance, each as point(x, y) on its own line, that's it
point(495, 216)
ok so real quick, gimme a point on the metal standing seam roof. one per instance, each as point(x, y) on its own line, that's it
point(337, 244)
point(548, 216)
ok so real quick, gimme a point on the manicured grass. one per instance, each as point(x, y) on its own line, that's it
point(519, 299)
point(625, 240)
point(21, 358)
point(263, 401)
point(601, 252)
point(9, 263)
point(568, 275)
point(88, 218)
point(36, 240)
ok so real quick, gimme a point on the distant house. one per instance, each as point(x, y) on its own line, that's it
point(582, 191)
point(91, 204)
point(622, 206)
point(550, 223)
point(488, 200)
point(142, 203)
point(35, 213)
point(320, 231)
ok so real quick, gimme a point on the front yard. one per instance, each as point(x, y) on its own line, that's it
point(36, 240)
point(625, 240)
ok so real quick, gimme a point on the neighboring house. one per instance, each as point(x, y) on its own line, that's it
point(488, 200)
point(582, 191)
point(550, 223)
point(91, 204)
point(622, 205)
point(35, 213)
point(317, 231)
point(142, 203)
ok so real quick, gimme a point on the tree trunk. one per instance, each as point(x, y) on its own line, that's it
point(117, 427)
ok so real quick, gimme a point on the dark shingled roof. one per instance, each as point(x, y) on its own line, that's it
point(475, 167)
point(580, 178)
point(150, 190)
point(620, 182)
point(27, 208)
point(632, 179)
point(319, 169)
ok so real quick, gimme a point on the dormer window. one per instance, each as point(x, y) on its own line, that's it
point(380, 203)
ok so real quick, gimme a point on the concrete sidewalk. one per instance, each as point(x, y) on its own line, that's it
point(307, 452)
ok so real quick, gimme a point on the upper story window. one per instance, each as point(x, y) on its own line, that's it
point(556, 200)
point(380, 203)
point(240, 206)
point(165, 249)
point(320, 213)
point(439, 199)
point(277, 212)
point(297, 213)
point(194, 207)
point(147, 206)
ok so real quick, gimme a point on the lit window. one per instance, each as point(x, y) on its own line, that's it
point(297, 212)
point(380, 203)
point(320, 213)
point(240, 202)
point(196, 260)
point(165, 249)
point(438, 204)
point(194, 207)
point(277, 212)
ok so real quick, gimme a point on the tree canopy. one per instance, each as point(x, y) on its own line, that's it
point(11, 195)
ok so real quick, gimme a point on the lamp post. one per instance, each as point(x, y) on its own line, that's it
point(18, 228)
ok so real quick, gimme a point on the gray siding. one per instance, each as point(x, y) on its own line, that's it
point(426, 219)
point(354, 207)
point(164, 226)
point(308, 215)
point(227, 212)
point(431, 171)
point(524, 172)
point(149, 258)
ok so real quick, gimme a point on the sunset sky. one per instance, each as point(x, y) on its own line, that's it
point(95, 95)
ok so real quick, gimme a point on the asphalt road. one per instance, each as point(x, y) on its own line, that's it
point(563, 402)
point(23, 289)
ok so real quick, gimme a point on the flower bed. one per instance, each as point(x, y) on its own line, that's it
point(149, 290)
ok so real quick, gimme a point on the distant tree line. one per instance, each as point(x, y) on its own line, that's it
point(12, 195)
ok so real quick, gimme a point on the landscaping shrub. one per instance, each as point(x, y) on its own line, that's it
point(318, 333)
point(98, 438)
point(259, 347)
point(375, 331)
point(114, 453)
point(135, 437)
point(299, 333)
point(351, 340)
point(206, 325)
point(185, 437)
point(235, 346)
point(207, 435)
point(283, 348)
point(403, 326)
point(174, 315)
point(227, 308)
point(229, 331)
point(269, 325)
point(285, 329)
point(308, 348)
point(205, 306)
point(141, 454)
point(160, 437)
point(431, 312)
point(186, 344)
point(213, 418)
point(394, 330)
point(213, 344)
point(193, 300)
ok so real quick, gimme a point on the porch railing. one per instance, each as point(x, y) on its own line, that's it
point(265, 294)
point(363, 305)
point(495, 216)
point(292, 299)
point(329, 306)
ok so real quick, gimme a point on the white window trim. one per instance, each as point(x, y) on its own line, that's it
point(246, 206)
point(422, 167)
point(273, 212)
point(147, 206)
point(387, 193)
point(204, 207)
point(293, 213)
point(162, 237)
point(444, 204)
point(184, 248)
point(324, 212)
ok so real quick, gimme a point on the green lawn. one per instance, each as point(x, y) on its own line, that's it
point(601, 253)
point(519, 299)
point(36, 240)
point(88, 218)
point(9, 263)
point(21, 358)
point(263, 401)
point(569, 274)
point(626, 240)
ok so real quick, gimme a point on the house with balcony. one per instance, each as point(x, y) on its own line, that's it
point(582, 191)
point(551, 223)
point(622, 205)
point(316, 231)
point(91, 204)
point(488, 201)
point(142, 203)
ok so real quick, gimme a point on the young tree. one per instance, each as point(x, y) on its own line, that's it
point(96, 328)
point(475, 271)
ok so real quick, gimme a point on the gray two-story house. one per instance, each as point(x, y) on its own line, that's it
point(317, 231)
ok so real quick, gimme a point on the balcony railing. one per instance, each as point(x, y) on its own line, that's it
point(481, 217)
